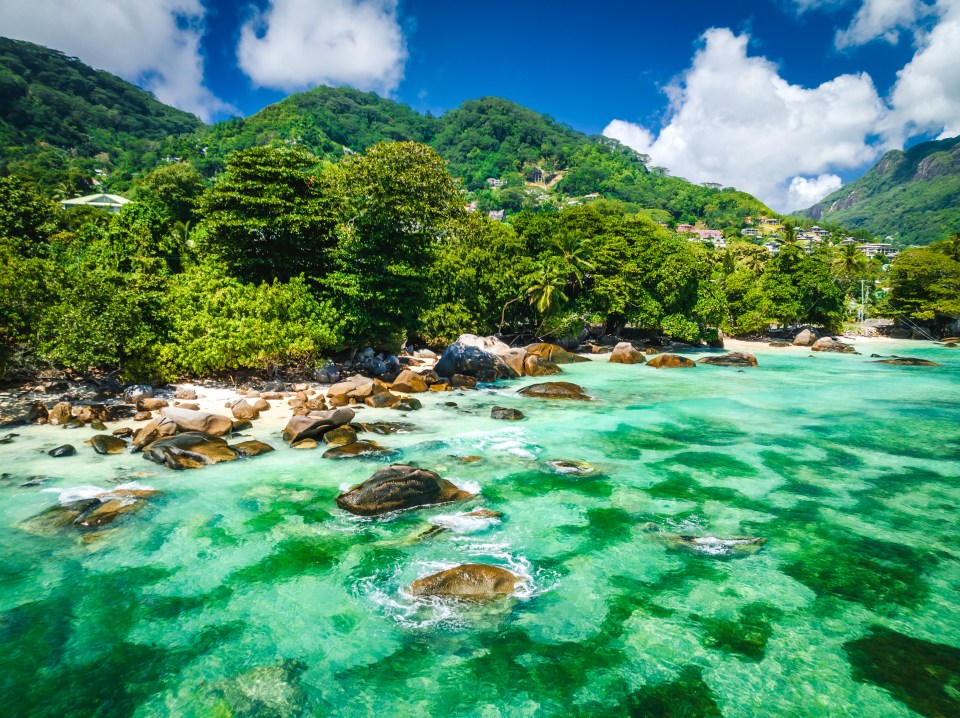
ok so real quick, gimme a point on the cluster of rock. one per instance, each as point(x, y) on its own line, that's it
point(90, 514)
point(808, 337)
point(627, 353)
point(489, 359)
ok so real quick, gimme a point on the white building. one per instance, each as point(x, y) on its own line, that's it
point(109, 202)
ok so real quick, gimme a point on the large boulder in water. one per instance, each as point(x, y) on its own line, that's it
point(63, 450)
point(516, 359)
point(399, 487)
point(555, 390)
point(806, 338)
point(191, 450)
point(251, 448)
point(361, 448)
point(459, 358)
point(534, 365)
point(671, 361)
point(907, 361)
point(106, 444)
point(156, 429)
point(471, 581)
point(738, 359)
point(554, 353)
point(315, 425)
point(201, 421)
point(626, 353)
point(89, 514)
point(829, 344)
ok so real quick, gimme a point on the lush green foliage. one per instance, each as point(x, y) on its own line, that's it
point(913, 195)
point(925, 283)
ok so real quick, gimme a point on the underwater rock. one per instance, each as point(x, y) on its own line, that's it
point(314, 426)
point(469, 459)
point(265, 692)
point(106, 444)
point(739, 359)
point(507, 414)
point(907, 361)
point(62, 450)
point(251, 448)
point(191, 450)
point(578, 468)
point(471, 581)
point(385, 428)
point(399, 487)
point(305, 444)
point(708, 545)
point(408, 403)
point(91, 513)
point(369, 449)
point(626, 353)
point(555, 390)
point(671, 361)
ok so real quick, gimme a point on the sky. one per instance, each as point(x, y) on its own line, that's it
point(785, 99)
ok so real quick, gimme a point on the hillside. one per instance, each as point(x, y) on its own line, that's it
point(912, 195)
point(61, 119)
point(70, 127)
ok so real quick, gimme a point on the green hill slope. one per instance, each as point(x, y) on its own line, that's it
point(61, 119)
point(912, 195)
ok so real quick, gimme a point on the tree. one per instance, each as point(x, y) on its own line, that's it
point(925, 284)
point(26, 216)
point(172, 189)
point(849, 262)
point(267, 216)
point(394, 208)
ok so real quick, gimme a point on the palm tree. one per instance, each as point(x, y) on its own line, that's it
point(789, 233)
point(573, 252)
point(849, 262)
point(546, 293)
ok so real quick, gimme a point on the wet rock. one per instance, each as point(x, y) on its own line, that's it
point(626, 353)
point(191, 450)
point(73, 424)
point(98, 426)
point(385, 428)
point(198, 421)
point(62, 450)
point(37, 414)
point(806, 338)
point(534, 365)
point(314, 426)
point(779, 344)
point(341, 436)
point(907, 361)
point(506, 414)
point(156, 429)
point(576, 468)
point(459, 381)
point(185, 394)
point(555, 390)
point(409, 382)
point(89, 514)
point(484, 514)
point(408, 403)
point(738, 359)
point(362, 448)
point(472, 581)
point(469, 459)
point(265, 692)
point(305, 444)
point(399, 487)
point(251, 448)
point(239, 426)
point(440, 386)
point(151, 404)
point(736, 546)
point(670, 361)
point(515, 359)
point(60, 414)
point(829, 344)
point(143, 416)
point(8, 439)
point(554, 353)
point(384, 400)
point(106, 444)
point(243, 411)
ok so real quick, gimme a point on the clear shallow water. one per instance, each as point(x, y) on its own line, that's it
point(242, 590)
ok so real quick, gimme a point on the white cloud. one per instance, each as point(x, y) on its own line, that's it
point(804, 192)
point(734, 120)
point(154, 43)
point(881, 19)
point(926, 96)
point(295, 44)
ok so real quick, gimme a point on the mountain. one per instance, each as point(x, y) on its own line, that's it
point(61, 119)
point(912, 195)
point(70, 127)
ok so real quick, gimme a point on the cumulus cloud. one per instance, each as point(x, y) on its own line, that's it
point(734, 120)
point(926, 96)
point(881, 19)
point(155, 44)
point(294, 44)
point(804, 191)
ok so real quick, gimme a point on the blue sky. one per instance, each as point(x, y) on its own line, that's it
point(783, 98)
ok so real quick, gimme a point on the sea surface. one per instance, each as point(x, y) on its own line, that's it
point(242, 590)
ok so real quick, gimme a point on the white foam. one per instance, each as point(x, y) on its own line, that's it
point(464, 523)
point(88, 491)
point(471, 487)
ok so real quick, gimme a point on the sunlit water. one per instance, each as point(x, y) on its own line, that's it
point(242, 590)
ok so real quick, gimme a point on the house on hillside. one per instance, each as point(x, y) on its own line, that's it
point(494, 182)
point(496, 215)
point(773, 246)
point(682, 228)
point(109, 202)
point(872, 249)
point(750, 232)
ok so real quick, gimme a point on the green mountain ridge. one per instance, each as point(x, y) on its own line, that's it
point(107, 130)
point(912, 195)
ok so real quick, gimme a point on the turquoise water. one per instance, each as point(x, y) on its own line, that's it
point(242, 590)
